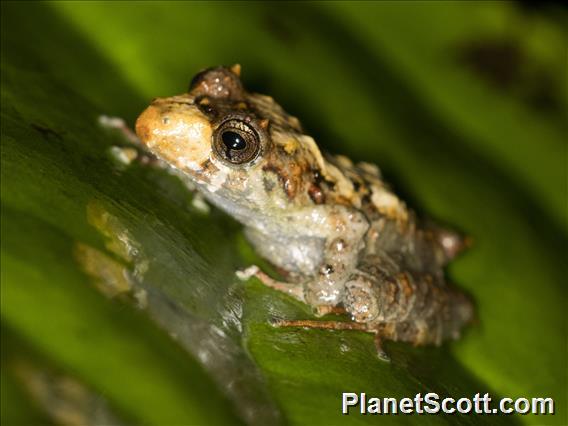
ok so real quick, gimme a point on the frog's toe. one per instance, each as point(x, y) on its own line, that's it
point(247, 273)
point(381, 353)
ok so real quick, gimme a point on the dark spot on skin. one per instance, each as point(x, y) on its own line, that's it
point(316, 194)
point(46, 132)
point(321, 184)
point(329, 183)
point(268, 184)
point(317, 176)
point(283, 178)
point(366, 200)
point(209, 168)
point(204, 105)
point(326, 269)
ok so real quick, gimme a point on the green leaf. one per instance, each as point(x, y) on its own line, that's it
point(180, 340)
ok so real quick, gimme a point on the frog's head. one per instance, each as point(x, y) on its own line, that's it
point(238, 147)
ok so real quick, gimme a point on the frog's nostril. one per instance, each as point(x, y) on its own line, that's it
point(166, 120)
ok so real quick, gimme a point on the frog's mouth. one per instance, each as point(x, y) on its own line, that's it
point(175, 130)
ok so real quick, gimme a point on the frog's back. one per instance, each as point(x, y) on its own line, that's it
point(394, 231)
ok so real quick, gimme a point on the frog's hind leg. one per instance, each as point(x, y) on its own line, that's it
point(323, 325)
point(296, 290)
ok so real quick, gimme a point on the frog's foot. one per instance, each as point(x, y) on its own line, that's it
point(127, 155)
point(117, 123)
point(296, 290)
point(383, 356)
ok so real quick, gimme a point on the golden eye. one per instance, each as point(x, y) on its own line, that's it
point(236, 142)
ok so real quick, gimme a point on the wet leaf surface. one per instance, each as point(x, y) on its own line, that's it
point(181, 340)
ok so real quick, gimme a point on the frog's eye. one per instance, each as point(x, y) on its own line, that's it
point(236, 142)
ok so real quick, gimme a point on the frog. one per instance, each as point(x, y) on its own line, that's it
point(342, 240)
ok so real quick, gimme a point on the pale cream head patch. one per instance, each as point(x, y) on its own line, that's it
point(177, 132)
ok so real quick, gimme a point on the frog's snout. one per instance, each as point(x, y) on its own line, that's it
point(177, 132)
point(145, 123)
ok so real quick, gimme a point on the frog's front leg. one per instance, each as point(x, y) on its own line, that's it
point(117, 123)
point(139, 151)
point(295, 290)
point(319, 247)
point(343, 230)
